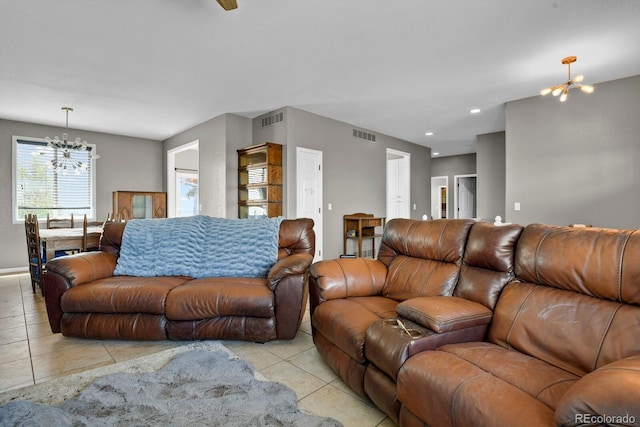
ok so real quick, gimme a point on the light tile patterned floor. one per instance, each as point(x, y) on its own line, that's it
point(31, 354)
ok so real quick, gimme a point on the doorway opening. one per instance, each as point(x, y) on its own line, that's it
point(465, 196)
point(398, 184)
point(183, 180)
point(439, 197)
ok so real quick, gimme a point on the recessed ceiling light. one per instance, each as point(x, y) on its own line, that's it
point(436, 154)
point(475, 111)
point(429, 133)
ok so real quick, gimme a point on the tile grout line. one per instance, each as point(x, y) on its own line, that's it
point(24, 317)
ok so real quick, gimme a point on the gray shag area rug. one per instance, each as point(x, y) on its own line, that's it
point(197, 387)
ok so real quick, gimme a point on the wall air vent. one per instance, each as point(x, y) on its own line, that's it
point(272, 119)
point(364, 135)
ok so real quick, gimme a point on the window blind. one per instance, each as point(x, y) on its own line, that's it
point(40, 190)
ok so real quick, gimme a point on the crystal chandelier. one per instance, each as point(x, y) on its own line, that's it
point(563, 89)
point(63, 160)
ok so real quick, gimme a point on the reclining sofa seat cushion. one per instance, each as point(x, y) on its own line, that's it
point(572, 310)
point(416, 258)
point(487, 266)
point(423, 258)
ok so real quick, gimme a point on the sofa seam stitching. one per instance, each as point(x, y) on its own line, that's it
point(621, 264)
point(456, 392)
point(603, 337)
point(517, 316)
point(536, 257)
point(551, 385)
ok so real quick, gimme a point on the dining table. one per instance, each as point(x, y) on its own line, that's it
point(67, 239)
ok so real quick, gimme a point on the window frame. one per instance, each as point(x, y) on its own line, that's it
point(15, 219)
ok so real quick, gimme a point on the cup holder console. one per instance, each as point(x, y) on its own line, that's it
point(396, 323)
point(414, 333)
point(390, 341)
point(391, 322)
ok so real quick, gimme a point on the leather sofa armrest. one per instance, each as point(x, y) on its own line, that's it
point(84, 267)
point(444, 313)
point(66, 272)
point(609, 395)
point(347, 277)
point(297, 263)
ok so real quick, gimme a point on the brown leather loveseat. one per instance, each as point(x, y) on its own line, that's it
point(85, 299)
point(499, 325)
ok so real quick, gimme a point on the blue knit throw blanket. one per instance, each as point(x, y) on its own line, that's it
point(199, 246)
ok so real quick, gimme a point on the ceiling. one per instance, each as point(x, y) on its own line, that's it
point(153, 68)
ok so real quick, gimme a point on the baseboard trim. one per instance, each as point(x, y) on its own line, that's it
point(14, 270)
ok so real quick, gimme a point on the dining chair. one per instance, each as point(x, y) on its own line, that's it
point(116, 218)
point(34, 251)
point(59, 222)
point(85, 225)
point(62, 223)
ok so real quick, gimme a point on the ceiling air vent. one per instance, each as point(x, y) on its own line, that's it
point(364, 135)
point(272, 119)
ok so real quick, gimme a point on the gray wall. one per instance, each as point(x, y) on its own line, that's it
point(354, 178)
point(277, 133)
point(578, 161)
point(125, 163)
point(490, 166)
point(450, 166)
point(218, 138)
point(238, 136)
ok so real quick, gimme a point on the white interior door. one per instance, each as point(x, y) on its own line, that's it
point(309, 191)
point(466, 196)
point(398, 184)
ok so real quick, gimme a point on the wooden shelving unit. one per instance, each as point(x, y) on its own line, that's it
point(260, 181)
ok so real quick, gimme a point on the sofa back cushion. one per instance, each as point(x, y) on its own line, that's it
point(575, 302)
point(200, 246)
point(111, 238)
point(295, 236)
point(488, 262)
point(584, 260)
point(423, 258)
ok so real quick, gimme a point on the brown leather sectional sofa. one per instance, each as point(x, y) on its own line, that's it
point(85, 299)
point(503, 326)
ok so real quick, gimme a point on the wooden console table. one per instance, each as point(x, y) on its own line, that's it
point(361, 226)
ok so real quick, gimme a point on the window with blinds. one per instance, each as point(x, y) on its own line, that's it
point(39, 189)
